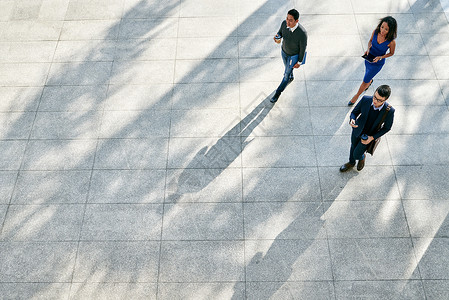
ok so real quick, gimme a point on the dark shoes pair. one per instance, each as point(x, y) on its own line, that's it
point(275, 98)
point(348, 166)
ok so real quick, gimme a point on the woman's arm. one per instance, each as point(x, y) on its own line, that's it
point(370, 43)
point(392, 46)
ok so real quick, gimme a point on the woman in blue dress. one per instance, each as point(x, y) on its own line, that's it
point(382, 40)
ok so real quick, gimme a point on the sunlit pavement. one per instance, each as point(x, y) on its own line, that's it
point(141, 158)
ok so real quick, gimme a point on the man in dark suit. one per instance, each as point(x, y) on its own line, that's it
point(364, 120)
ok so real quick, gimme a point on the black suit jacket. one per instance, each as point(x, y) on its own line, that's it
point(360, 115)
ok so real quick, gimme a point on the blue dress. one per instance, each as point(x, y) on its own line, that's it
point(371, 69)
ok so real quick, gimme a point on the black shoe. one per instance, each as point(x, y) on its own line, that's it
point(361, 164)
point(346, 167)
point(275, 98)
point(291, 79)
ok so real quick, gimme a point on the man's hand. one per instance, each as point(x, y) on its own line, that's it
point(352, 123)
point(277, 40)
point(296, 66)
point(368, 140)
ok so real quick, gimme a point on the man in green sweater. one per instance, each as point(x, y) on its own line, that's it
point(294, 44)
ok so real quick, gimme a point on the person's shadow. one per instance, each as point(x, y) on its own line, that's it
point(211, 161)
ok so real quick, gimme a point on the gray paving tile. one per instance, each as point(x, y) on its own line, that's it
point(436, 289)
point(67, 125)
point(207, 70)
point(97, 9)
point(331, 93)
point(203, 221)
point(440, 66)
point(7, 183)
point(12, 154)
point(201, 261)
point(346, 186)
point(258, 46)
point(37, 261)
point(290, 290)
point(206, 48)
point(135, 124)
point(422, 182)
point(350, 68)
point(278, 121)
point(219, 27)
point(23, 74)
point(264, 70)
point(136, 9)
point(116, 262)
point(125, 186)
point(252, 94)
point(296, 151)
point(76, 98)
point(138, 72)
point(31, 30)
point(410, 44)
point(32, 290)
point(131, 153)
point(138, 97)
point(418, 149)
point(113, 290)
point(51, 187)
point(438, 24)
point(16, 125)
point(203, 290)
point(432, 254)
point(413, 93)
point(427, 218)
point(329, 24)
point(79, 73)
point(43, 222)
point(373, 259)
point(278, 8)
point(365, 219)
point(426, 6)
point(436, 44)
point(412, 120)
point(335, 122)
point(19, 52)
point(59, 154)
point(407, 67)
point(143, 49)
point(324, 7)
point(122, 222)
point(334, 151)
point(382, 6)
point(149, 28)
point(336, 45)
point(53, 10)
point(292, 220)
point(205, 96)
point(199, 8)
point(86, 50)
point(205, 153)
point(397, 289)
point(287, 260)
point(7, 8)
point(90, 30)
point(3, 209)
point(204, 185)
point(208, 122)
point(281, 184)
point(20, 98)
point(445, 90)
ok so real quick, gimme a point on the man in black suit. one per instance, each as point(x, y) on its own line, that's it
point(364, 120)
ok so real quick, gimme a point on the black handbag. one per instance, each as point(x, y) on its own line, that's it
point(374, 143)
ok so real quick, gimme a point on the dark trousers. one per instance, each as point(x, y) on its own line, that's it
point(357, 149)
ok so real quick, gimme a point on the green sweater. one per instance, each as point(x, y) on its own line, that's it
point(293, 42)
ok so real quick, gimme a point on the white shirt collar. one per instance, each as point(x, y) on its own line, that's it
point(378, 108)
point(294, 27)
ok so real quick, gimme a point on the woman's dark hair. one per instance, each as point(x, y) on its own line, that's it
point(294, 13)
point(392, 25)
point(384, 91)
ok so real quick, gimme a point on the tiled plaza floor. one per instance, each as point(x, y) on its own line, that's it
point(140, 157)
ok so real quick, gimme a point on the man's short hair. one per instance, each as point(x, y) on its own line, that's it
point(294, 13)
point(384, 91)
